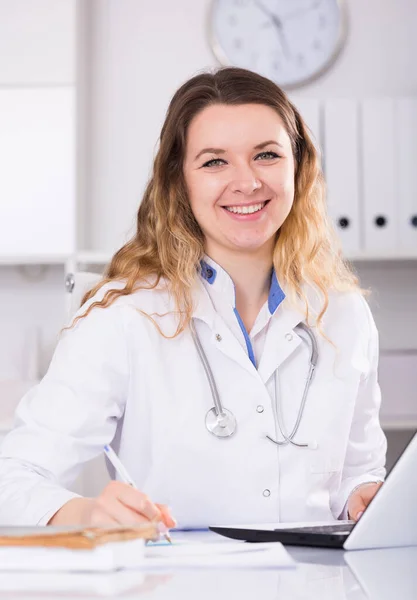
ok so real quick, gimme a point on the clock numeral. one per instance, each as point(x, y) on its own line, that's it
point(232, 20)
point(322, 21)
point(317, 45)
point(238, 43)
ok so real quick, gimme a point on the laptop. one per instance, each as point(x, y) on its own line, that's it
point(389, 521)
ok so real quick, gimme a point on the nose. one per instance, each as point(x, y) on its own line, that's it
point(245, 183)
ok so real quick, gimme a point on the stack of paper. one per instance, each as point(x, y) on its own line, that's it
point(235, 555)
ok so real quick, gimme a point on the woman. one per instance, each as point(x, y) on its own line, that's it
point(233, 251)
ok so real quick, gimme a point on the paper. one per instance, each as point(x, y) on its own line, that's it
point(107, 557)
point(238, 555)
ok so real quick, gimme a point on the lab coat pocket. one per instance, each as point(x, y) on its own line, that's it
point(323, 478)
point(326, 463)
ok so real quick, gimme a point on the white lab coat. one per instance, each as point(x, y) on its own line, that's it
point(115, 379)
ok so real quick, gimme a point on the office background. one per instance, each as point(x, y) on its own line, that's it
point(84, 85)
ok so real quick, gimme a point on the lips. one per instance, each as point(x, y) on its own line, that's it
point(246, 209)
point(246, 204)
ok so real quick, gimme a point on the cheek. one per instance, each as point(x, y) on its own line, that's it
point(203, 193)
point(285, 192)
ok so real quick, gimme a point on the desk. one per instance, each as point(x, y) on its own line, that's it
point(321, 574)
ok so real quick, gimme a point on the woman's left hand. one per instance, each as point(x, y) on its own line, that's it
point(360, 498)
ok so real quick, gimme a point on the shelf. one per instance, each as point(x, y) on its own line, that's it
point(97, 257)
point(33, 259)
point(383, 256)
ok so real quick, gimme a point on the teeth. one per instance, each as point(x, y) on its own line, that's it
point(245, 210)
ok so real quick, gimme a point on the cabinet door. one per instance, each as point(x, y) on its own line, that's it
point(37, 42)
point(37, 183)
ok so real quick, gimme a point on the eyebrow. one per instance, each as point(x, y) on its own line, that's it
point(221, 151)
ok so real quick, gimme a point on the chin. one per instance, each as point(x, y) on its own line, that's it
point(246, 246)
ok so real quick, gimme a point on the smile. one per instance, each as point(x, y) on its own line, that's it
point(246, 210)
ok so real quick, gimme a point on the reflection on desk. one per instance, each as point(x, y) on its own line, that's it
point(321, 574)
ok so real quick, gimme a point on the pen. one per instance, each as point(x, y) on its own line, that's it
point(121, 470)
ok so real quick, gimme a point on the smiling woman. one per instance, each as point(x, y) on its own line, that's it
point(198, 331)
point(233, 141)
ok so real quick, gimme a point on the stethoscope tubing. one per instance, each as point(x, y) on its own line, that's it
point(222, 423)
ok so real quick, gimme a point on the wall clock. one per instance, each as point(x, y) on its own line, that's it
point(289, 41)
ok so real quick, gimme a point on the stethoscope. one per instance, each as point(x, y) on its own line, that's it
point(221, 422)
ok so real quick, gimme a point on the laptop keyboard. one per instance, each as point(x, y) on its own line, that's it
point(338, 528)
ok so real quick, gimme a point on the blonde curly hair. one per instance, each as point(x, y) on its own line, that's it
point(168, 244)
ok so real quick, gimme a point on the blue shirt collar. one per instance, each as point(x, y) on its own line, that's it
point(217, 277)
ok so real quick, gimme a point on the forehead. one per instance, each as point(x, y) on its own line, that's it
point(221, 125)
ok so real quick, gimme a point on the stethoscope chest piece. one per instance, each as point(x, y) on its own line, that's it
point(221, 425)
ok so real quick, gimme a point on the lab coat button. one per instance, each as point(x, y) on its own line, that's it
point(260, 408)
point(266, 493)
point(218, 337)
point(288, 337)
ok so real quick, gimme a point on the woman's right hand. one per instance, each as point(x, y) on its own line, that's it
point(117, 504)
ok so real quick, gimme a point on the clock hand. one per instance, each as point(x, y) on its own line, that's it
point(277, 23)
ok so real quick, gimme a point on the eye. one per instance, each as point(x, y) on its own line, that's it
point(268, 155)
point(214, 162)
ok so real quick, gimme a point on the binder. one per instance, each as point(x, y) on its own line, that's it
point(380, 189)
point(341, 146)
point(406, 144)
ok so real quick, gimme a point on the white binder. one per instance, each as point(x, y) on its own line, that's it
point(406, 144)
point(380, 187)
point(341, 148)
point(37, 183)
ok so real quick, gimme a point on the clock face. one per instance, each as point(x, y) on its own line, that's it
point(288, 41)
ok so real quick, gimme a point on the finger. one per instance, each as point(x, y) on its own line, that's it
point(368, 492)
point(356, 507)
point(135, 500)
point(167, 518)
point(361, 499)
point(122, 514)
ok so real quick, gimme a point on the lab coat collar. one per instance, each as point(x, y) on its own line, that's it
point(281, 340)
point(219, 281)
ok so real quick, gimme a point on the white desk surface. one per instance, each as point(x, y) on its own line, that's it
point(321, 574)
